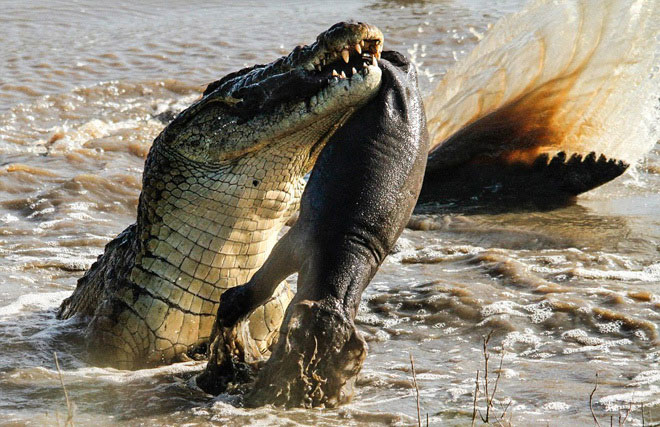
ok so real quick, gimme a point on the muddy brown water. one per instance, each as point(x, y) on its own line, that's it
point(568, 293)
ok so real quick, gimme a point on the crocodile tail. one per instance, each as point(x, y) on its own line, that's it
point(115, 263)
point(570, 82)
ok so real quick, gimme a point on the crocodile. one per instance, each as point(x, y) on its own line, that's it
point(225, 175)
point(219, 183)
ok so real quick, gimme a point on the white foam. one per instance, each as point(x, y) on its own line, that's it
point(436, 254)
point(32, 302)
point(539, 312)
point(8, 218)
point(435, 377)
point(646, 377)
point(75, 137)
point(117, 376)
point(610, 327)
point(581, 337)
point(501, 307)
point(614, 402)
point(528, 337)
point(603, 347)
point(556, 406)
point(649, 274)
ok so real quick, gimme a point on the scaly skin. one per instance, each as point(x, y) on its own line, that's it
point(219, 183)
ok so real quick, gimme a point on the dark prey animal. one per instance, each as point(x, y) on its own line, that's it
point(359, 198)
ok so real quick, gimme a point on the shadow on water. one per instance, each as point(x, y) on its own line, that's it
point(477, 205)
point(533, 224)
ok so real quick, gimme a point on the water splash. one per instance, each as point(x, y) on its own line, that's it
point(576, 76)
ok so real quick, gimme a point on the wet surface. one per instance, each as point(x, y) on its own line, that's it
point(568, 292)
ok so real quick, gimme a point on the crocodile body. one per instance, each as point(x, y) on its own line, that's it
point(221, 180)
point(219, 183)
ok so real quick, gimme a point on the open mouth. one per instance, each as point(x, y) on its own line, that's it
point(344, 63)
point(341, 56)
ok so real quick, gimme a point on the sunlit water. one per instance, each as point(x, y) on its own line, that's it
point(568, 293)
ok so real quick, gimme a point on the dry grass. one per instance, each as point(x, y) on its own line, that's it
point(69, 405)
point(414, 376)
point(488, 388)
point(591, 399)
point(474, 403)
point(489, 395)
point(622, 422)
point(416, 387)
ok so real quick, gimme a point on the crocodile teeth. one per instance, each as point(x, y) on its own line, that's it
point(353, 70)
point(342, 75)
point(374, 61)
point(318, 67)
point(335, 73)
point(358, 49)
point(345, 55)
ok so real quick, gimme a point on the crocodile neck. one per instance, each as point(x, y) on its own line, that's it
point(203, 228)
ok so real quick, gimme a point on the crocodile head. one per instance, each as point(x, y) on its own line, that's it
point(255, 106)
